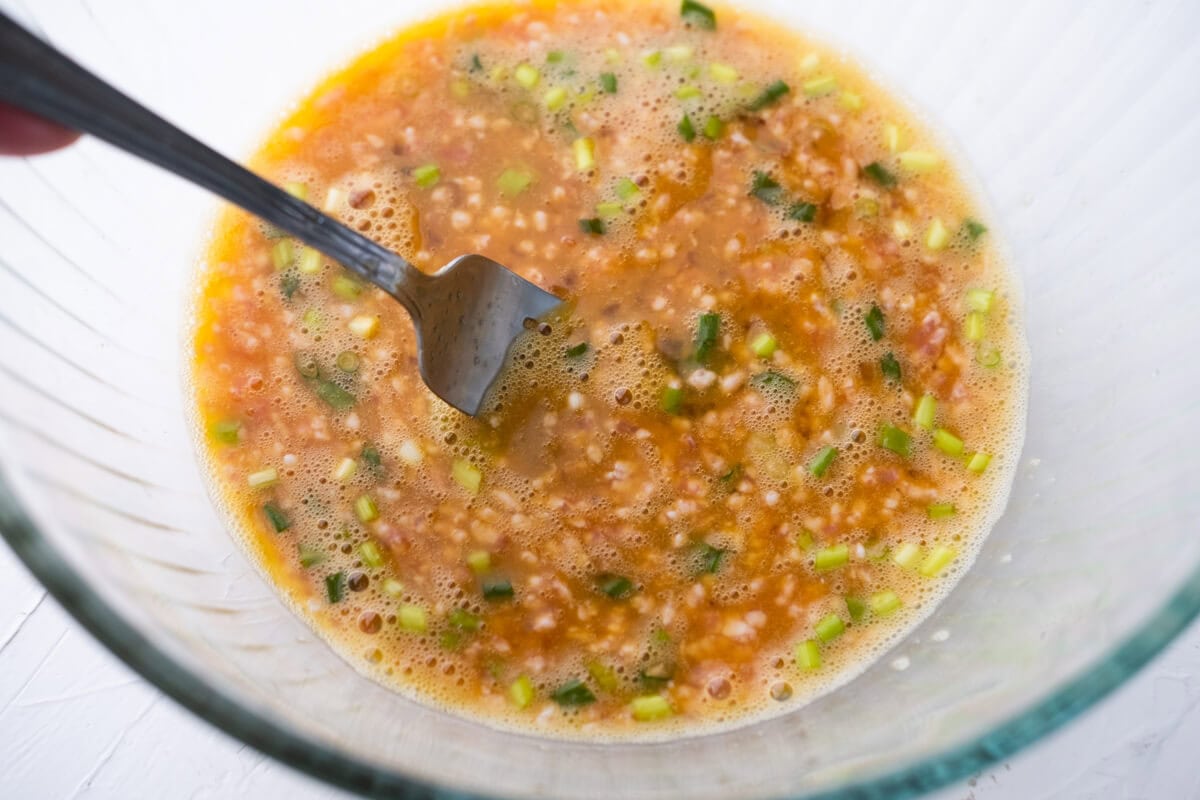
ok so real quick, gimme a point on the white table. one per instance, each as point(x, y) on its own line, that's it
point(77, 723)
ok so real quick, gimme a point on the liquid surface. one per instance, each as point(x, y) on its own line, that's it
point(774, 425)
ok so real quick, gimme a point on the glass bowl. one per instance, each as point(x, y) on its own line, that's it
point(1079, 121)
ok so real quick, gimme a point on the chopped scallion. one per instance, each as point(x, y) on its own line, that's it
point(925, 413)
point(347, 361)
point(310, 261)
point(297, 190)
point(856, 608)
point(337, 397)
point(708, 326)
point(609, 210)
point(671, 400)
point(608, 82)
point(263, 478)
point(884, 603)
point(890, 367)
point(573, 693)
point(766, 188)
point(920, 161)
point(627, 190)
point(851, 101)
point(554, 99)
point(366, 509)
point(577, 350)
point(346, 287)
point(371, 554)
point(876, 172)
point(874, 323)
point(309, 556)
point(937, 237)
point(345, 469)
point(687, 92)
point(891, 136)
point(288, 284)
point(988, 357)
point(464, 620)
point(808, 655)
point(371, 457)
point(711, 558)
point(771, 380)
point(896, 440)
point(828, 558)
point(769, 96)
point(497, 589)
point(594, 226)
point(764, 345)
point(427, 176)
point(699, 15)
point(283, 254)
point(941, 510)
point(226, 431)
point(822, 460)
point(513, 181)
point(937, 560)
point(820, 86)
point(520, 692)
point(802, 212)
point(713, 128)
point(466, 475)
point(604, 676)
point(723, 73)
point(979, 462)
point(279, 520)
point(906, 555)
point(679, 53)
point(980, 300)
point(866, 207)
point(393, 587)
point(480, 561)
point(973, 229)
point(618, 587)
point(412, 619)
point(335, 587)
point(947, 442)
point(652, 59)
point(829, 628)
point(585, 153)
point(650, 708)
point(686, 129)
point(527, 75)
point(975, 326)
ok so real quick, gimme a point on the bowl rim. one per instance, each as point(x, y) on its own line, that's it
point(1058, 706)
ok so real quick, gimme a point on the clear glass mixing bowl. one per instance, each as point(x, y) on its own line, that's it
point(1080, 121)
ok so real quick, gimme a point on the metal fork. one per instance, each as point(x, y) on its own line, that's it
point(467, 315)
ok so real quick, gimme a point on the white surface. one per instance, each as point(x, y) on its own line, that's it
point(75, 722)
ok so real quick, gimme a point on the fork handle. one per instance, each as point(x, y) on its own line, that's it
point(37, 77)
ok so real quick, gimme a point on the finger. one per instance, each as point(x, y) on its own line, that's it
point(24, 134)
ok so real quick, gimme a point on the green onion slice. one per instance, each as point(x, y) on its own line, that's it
point(573, 693)
point(699, 15)
point(874, 322)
